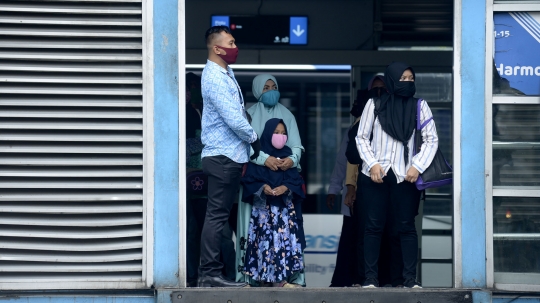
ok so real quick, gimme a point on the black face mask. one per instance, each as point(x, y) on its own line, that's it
point(356, 111)
point(375, 92)
point(404, 88)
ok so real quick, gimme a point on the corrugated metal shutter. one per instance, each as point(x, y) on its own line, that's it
point(71, 141)
point(416, 22)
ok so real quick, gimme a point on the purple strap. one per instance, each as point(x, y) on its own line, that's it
point(418, 125)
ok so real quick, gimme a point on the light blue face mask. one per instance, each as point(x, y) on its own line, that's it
point(270, 98)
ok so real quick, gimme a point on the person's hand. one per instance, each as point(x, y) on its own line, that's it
point(350, 197)
point(377, 173)
point(330, 200)
point(268, 190)
point(272, 163)
point(256, 145)
point(280, 190)
point(412, 175)
point(286, 164)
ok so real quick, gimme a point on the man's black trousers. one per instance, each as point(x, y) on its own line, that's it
point(223, 183)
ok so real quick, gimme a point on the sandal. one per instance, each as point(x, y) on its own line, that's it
point(286, 284)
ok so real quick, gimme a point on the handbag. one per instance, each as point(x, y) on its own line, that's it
point(351, 153)
point(439, 172)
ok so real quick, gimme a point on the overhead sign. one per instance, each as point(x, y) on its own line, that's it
point(517, 49)
point(298, 30)
point(266, 30)
point(220, 20)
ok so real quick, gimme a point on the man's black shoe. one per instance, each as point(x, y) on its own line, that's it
point(218, 281)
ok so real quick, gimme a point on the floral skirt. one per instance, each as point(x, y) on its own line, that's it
point(273, 253)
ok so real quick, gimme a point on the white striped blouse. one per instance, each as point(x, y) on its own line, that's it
point(387, 151)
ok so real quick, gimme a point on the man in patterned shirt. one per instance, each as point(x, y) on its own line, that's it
point(226, 135)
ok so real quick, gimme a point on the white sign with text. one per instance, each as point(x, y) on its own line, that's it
point(322, 240)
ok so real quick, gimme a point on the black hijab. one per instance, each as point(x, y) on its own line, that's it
point(256, 175)
point(397, 112)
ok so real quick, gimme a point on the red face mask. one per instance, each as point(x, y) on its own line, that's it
point(230, 57)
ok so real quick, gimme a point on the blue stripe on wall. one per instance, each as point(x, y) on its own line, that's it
point(473, 52)
point(481, 297)
point(166, 143)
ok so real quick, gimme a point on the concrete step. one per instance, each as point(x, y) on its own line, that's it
point(320, 295)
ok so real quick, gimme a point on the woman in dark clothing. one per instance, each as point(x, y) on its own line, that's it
point(390, 169)
point(275, 240)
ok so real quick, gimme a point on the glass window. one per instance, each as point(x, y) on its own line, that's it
point(516, 236)
point(434, 87)
point(516, 145)
point(328, 117)
point(517, 45)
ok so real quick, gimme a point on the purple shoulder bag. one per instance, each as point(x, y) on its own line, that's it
point(439, 172)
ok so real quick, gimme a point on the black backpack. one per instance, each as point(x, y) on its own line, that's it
point(352, 151)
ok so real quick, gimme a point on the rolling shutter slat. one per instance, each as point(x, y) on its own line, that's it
point(73, 220)
point(71, 141)
point(58, 136)
point(60, 183)
point(22, 19)
point(61, 277)
point(68, 148)
point(70, 267)
point(73, 113)
point(71, 160)
point(69, 196)
point(67, 172)
point(52, 32)
point(48, 256)
point(72, 233)
point(50, 90)
point(67, 208)
point(75, 8)
point(38, 78)
point(71, 245)
point(84, 114)
point(68, 126)
point(94, 68)
point(71, 43)
point(63, 101)
point(70, 56)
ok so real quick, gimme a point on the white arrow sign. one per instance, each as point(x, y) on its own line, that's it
point(298, 31)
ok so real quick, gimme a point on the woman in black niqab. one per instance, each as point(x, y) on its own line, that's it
point(397, 112)
point(387, 182)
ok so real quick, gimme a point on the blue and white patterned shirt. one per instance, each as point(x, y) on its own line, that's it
point(225, 129)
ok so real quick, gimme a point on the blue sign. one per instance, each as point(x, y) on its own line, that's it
point(299, 30)
point(517, 50)
point(220, 20)
point(266, 29)
point(321, 244)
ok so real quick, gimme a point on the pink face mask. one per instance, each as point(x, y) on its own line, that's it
point(278, 140)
